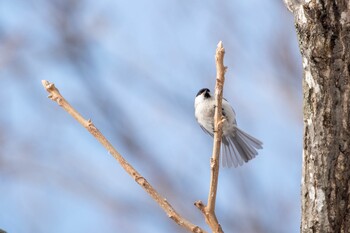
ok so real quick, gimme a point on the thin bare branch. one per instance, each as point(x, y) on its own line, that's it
point(164, 204)
point(209, 210)
point(214, 163)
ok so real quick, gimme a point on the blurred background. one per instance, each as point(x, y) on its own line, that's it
point(134, 68)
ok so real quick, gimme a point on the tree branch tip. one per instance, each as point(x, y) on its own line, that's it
point(200, 206)
point(220, 45)
point(197, 203)
point(45, 83)
point(220, 48)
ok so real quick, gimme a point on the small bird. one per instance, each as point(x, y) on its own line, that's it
point(237, 146)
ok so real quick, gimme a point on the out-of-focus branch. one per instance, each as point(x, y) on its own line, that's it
point(209, 210)
point(164, 204)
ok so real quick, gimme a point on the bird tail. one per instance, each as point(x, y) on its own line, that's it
point(239, 148)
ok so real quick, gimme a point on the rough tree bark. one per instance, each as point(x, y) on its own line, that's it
point(323, 28)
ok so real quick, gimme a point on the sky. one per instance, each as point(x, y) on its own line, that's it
point(134, 68)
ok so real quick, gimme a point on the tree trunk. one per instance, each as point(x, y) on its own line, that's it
point(323, 28)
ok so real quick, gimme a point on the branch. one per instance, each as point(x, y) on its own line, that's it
point(209, 210)
point(164, 204)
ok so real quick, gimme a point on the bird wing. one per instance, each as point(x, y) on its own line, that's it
point(206, 131)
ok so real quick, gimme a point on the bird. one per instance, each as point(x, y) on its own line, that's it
point(237, 146)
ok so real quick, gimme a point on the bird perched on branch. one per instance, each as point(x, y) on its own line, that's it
point(237, 146)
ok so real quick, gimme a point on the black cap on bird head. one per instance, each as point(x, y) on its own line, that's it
point(206, 92)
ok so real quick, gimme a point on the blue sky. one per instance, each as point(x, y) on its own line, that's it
point(134, 68)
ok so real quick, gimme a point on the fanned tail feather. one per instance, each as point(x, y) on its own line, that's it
point(239, 148)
